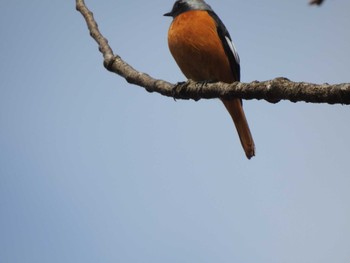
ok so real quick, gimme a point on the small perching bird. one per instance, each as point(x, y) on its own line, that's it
point(203, 49)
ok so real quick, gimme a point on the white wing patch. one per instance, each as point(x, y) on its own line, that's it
point(233, 49)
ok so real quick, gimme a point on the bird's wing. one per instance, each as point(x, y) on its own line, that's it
point(228, 45)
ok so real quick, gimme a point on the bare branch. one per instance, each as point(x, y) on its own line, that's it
point(272, 90)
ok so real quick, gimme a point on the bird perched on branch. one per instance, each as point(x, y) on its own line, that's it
point(203, 49)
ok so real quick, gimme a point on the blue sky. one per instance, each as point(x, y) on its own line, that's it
point(93, 169)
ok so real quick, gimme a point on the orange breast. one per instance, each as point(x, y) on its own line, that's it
point(196, 47)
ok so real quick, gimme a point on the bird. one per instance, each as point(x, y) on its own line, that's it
point(203, 49)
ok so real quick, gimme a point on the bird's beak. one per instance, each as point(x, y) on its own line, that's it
point(168, 14)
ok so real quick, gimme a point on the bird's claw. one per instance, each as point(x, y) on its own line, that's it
point(176, 90)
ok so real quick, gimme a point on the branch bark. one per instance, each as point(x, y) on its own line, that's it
point(271, 90)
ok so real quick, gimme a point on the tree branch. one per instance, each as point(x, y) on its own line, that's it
point(272, 90)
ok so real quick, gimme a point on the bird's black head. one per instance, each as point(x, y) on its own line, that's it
point(182, 6)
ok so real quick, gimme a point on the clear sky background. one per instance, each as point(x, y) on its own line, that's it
point(93, 169)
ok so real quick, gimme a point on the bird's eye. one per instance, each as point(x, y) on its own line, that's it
point(178, 5)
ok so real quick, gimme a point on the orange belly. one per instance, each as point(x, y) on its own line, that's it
point(195, 45)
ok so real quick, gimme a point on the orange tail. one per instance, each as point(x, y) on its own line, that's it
point(235, 109)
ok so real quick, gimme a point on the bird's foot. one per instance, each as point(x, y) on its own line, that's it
point(176, 90)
